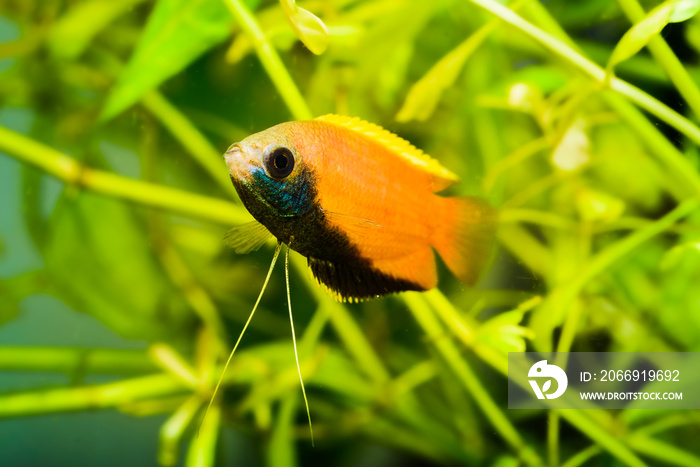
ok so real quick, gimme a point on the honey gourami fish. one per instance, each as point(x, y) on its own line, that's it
point(360, 203)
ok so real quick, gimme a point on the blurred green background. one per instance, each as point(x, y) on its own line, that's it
point(119, 302)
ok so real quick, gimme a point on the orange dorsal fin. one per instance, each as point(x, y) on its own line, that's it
point(464, 236)
point(442, 177)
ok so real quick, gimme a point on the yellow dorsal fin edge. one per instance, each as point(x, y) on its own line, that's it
point(395, 143)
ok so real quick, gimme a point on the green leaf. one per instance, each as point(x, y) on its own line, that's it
point(505, 332)
point(640, 34)
point(178, 31)
point(72, 34)
point(684, 10)
point(309, 28)
point(426, 92)
point(97, 256)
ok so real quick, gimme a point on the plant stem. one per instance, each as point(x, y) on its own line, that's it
point(533, 216)
point(271, 61)
point(70, 360)
point(281, 450)
point(664, 55)
point(567, 53)
point(581, 457)
point(526, 247)
point(662, 451)
point(678, 164)
point(569, 329)
point(436, 333)
point(174, 428)
point(603, 260)
point(193, 292)
point(606, 438)
point(90, 397)
point(558, 303)
point(680, 167)
point(553, 438)
point(167, 358)
point(191, 138)
point(70, 171)
point(664, 424)
point(597, 425)
point(512, 160)
point(202, 451)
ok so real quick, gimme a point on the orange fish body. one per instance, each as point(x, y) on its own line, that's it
point(360, 204)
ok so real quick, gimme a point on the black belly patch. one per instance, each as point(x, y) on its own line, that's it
point(357, 281)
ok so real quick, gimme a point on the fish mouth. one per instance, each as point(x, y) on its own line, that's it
point(238, 162)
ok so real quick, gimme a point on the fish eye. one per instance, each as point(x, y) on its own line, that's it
point(279, 162)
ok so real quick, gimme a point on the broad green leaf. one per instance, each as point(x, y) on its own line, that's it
point(309, 28)
point(640, 34)
point(426, 92)
point(178, 31)
point(74, 31)
point(98, 256)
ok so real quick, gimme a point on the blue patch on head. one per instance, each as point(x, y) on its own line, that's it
point(290, 197)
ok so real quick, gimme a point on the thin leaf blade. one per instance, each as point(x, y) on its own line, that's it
point(425, 94)
point(649, 27)
point(684, 10)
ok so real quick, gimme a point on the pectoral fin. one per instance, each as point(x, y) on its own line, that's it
point(247, 237)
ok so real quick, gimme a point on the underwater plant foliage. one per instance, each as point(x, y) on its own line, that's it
point(119, 301)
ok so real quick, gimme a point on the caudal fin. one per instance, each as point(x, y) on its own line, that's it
point(465, 235)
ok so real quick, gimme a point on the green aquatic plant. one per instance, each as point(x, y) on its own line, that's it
point(577, 119)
